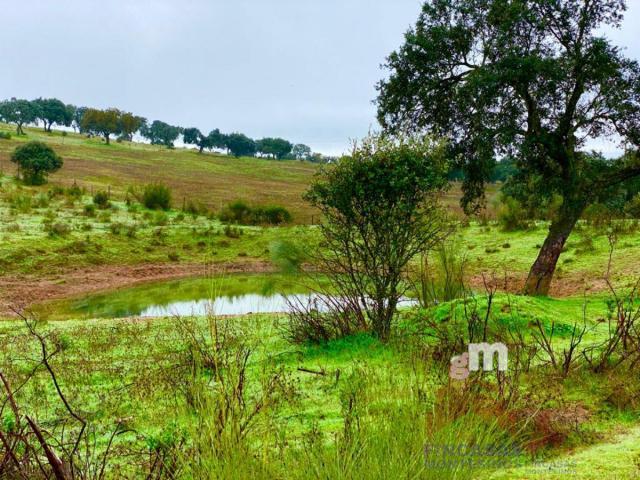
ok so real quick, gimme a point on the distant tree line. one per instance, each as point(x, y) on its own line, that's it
point(124, 125)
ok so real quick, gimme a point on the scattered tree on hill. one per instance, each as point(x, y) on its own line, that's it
point(129, 124)
point(53, 111)
point(78, 114)
point(240, 145)
point(18, 112)
point(380, 209)
point(161, 133)
point(532, 79)
point(102, 122)
point(35, 161)
point(193, 136)
point(274, 147)
point(216, 139)
point(301, 152)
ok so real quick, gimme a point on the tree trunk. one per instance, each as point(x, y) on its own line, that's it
point(106, 138)
point(541, 273)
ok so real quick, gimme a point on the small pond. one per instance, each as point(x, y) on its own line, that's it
point(228, 295)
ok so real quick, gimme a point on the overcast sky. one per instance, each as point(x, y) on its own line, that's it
point(301, 69)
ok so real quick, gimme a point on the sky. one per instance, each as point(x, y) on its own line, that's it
point(304, 70)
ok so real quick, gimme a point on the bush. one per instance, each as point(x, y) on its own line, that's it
point(157, 197)
point(271, 215)
point(116, 228)
point(236, 212)
point(90, 210)
point(35, 161)
point(19, 202)
point(74, 191)
point(101, 200)
point(633, 207)
point(512, 215)
point(5, 136)
point(160, 219)
point(57, 229)
point(232, 232)
point(241, 213)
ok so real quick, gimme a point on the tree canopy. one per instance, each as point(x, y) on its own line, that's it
point(240, 145)
point(35, 161)
point(18, 112)
point(52, 111)
point(274, 147)
point(161, 133)
point(380, 209)
point(102, 122)
point(530, 79)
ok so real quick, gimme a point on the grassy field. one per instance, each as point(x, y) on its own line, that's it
point(211, 397)
point(211, 179)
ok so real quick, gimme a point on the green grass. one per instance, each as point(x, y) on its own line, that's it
point(211, 179)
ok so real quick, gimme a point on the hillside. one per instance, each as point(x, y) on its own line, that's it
point(211, 179)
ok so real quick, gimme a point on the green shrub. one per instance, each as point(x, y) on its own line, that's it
point(512, 215)
point(42, 201)
point(74, 191)
point(101, 200)
point(35, 161)
point(241, 213)
point(232, 232)
point(57, 229)
point(160, 219)
point(633, 207)
point(116, 228)
point(598, 216)
point(156, 197)
point(20, 202)
point(132, 231)
point(90, 210)
point(236, 212)
point(5, 136)
point(271, 215)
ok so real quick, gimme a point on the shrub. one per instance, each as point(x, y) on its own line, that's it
point(157, 197)
point(5, 136)
point(236, 212)
point(512, 215)
point(101, 200)
point(271, 215)
point(440, 276)
point(598, 216)
point(241, 213)
point(232, 232)
point(160, 219)
point(57, 229)
point(132, 231)
point(633, 207)
point(42, 201)
point(19, 202)
point(74, 191)
point(90, 210)
point(35, 161)
point(173, 256)
point(116, 228)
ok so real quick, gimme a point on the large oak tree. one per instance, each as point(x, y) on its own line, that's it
point(531, 79)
